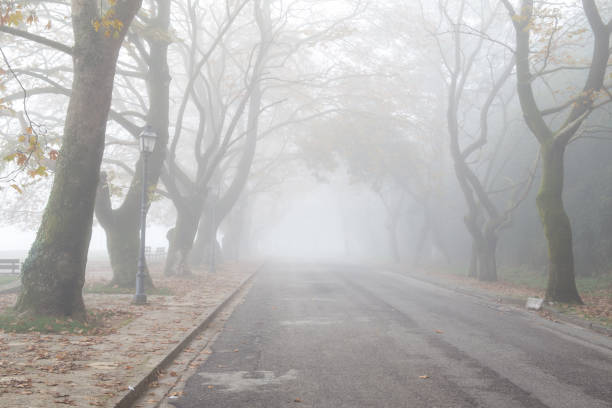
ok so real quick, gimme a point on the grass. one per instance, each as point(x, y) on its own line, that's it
point(523, 277)
point(4, 279)
point(595, 291)
point(12, 322)
point(105, 289)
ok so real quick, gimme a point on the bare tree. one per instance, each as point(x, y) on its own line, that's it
point(553, 142)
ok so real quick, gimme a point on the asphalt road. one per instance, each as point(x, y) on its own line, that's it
point(339, 336)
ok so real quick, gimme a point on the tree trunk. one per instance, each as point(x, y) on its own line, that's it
point(561, 283)
point(202, 250)
point(53, 274)
point(181, 237)
point(473, 268)
point(487, 270)
point(123, 241)
point(201, 247)
point(122, 228)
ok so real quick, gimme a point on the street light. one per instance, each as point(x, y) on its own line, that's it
point(147, 144)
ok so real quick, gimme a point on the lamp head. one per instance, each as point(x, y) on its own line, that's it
point(147, 139)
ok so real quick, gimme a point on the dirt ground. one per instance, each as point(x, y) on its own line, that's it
point(94, 368)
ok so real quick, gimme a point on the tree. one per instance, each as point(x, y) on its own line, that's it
point(553, 142)
point(53, 274)
point(122, 224)
point(218, 118)
point(484, 220)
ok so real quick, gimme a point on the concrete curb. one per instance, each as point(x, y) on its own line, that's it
point(141, 386)
point(578, 321)
point(518, 302)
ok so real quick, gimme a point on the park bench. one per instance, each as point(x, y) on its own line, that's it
point(11, 265)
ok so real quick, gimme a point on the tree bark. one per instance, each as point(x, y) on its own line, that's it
point(53, 274)
point(181, 237)
point(487, 270)
point(200, 254)
point(561, 283)
point(122, 229)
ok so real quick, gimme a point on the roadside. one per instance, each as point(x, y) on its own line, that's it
point(514, 287)
point(171, 381)
point(97, 365)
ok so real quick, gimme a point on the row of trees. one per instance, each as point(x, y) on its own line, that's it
point(211, 74)
point(230, 87)
point(496, 63)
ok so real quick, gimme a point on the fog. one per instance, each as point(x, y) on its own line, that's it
point(318, 203)
point(357, 131)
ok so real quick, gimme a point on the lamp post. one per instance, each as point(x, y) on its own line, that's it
point(147, 144)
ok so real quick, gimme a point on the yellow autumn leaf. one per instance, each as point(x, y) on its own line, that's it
point(15, 18)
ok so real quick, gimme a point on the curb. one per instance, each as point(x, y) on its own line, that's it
point(141, 387)
point(597, 328)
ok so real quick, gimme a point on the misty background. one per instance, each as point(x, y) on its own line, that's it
point(353, 155)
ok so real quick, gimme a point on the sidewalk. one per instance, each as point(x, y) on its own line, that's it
point(98, 367)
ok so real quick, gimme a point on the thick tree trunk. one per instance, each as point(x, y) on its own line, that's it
point(561, 282)
point(53, 274)
point(123, 241)
point(122, 229)
point(202, 250)
point(201, 247)
point(181, 237)
point(487, 270)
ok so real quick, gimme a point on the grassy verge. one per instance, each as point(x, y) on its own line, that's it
point(98, 322)
point(106, 289)
point(4, 279)
point(595, 291)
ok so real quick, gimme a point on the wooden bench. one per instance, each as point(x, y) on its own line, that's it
point(12, 265)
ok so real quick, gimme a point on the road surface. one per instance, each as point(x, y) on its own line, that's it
point(341, 336)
